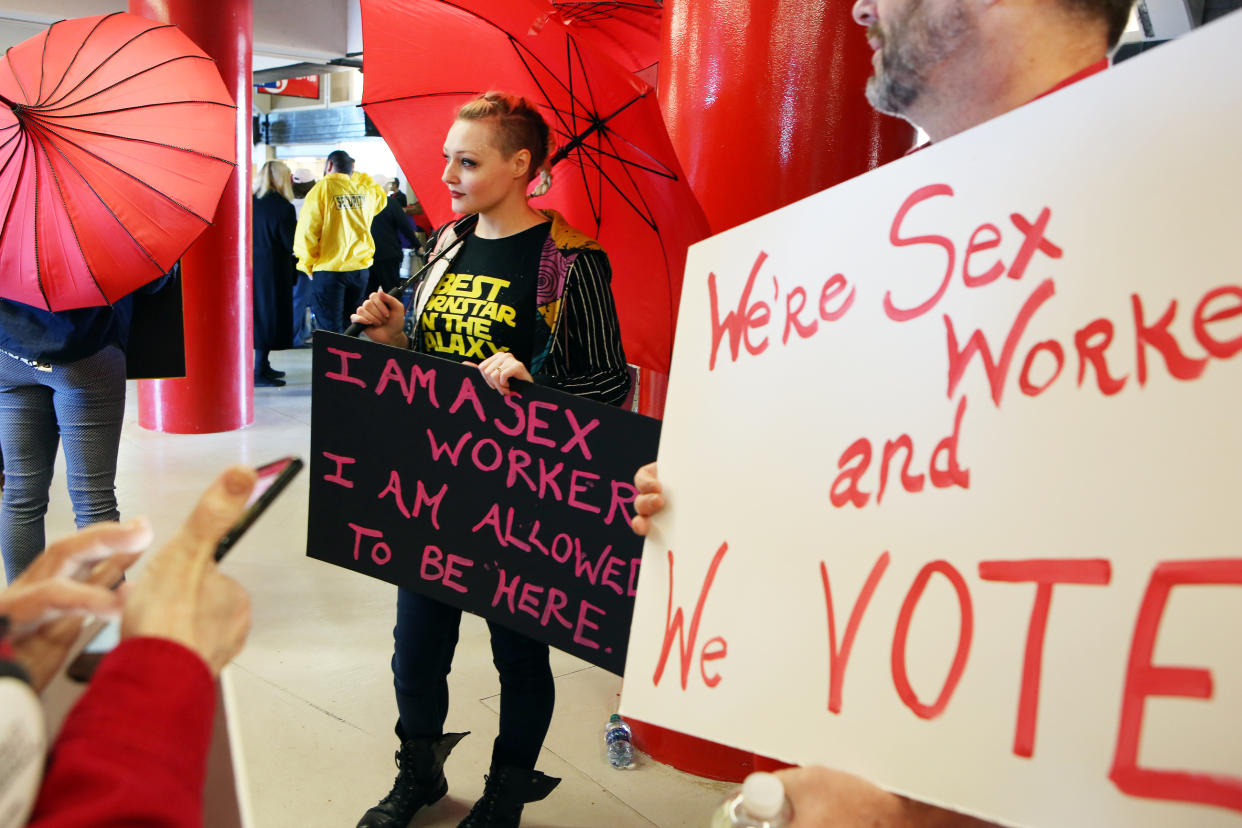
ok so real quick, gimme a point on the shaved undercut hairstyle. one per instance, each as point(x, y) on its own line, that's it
point(518, 126)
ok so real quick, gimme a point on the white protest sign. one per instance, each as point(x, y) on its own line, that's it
point(899, 406)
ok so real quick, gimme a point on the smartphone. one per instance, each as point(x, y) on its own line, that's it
point(273, 478)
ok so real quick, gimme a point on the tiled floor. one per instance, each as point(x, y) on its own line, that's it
point(313, 688)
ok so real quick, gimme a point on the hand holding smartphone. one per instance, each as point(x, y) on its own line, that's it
point(273, 478)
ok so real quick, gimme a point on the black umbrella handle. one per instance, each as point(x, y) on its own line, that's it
point(461, 229)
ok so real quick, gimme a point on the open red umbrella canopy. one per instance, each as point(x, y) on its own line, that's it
point(626, 30)
point(116, 141)
point(616, 175)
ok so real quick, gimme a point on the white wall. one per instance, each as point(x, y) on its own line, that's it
point(301, 29)
point(293, 29)
point(353, 26)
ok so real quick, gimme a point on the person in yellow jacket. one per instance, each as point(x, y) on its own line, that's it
point(333, 241)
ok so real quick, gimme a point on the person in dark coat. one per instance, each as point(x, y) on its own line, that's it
point(275, 269)
point(392, 230)
point(303, 181)
point(393, 188)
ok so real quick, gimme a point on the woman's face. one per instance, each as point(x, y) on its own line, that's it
point(478, 177)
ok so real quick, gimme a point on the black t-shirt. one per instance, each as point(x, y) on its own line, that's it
point(486, 302)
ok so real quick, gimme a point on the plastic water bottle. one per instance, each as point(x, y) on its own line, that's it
point(620, 748)
point(760, 803)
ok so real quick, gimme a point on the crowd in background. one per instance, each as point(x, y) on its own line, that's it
point(313, 267)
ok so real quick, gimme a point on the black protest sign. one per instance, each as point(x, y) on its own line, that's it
point(514, 508)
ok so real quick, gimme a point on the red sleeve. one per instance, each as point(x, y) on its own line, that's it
point(133, 751)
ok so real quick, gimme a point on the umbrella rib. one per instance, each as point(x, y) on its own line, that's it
point(576, 140)
point(586, 187)
point(595, 10)
point(43, 59)
point(91, 114)
point(592, 110)
point(521, 49)
point(35, 234)
point(646, 211)
point(77, 52)
point(573, 55)
point(611, 6)
point(120, 223)
point(126, 79)
point(560, 116)
point(581, 11)
point(596, 204)
point(419, 95)
point(534, 79)
point(597, 125)
point(105, 61)
point(3, 169)
point(13, 72)
point(662, 171)
point(573, 99)
point(8, 214)
point(57, 130)
point(136, 179)
point(16, 136)
point(61, 192)
point(644, 215)
point(600, 178)
point(548, 99)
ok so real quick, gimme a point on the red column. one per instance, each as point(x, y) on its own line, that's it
point(217, 393)
point(764, 102)
point(765, 105)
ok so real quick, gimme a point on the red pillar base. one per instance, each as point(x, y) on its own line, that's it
point(652, 391)
point(691, 754)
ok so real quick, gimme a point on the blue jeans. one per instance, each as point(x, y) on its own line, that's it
point(425, 638)
point(301, 301)
point(81, 403)
point(335, 295)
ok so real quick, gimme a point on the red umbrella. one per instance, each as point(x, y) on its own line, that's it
point(116, 140)
point(617, 177)
point(628, 32)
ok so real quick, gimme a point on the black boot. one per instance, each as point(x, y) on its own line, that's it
point(508, 788)
point(420, 780)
